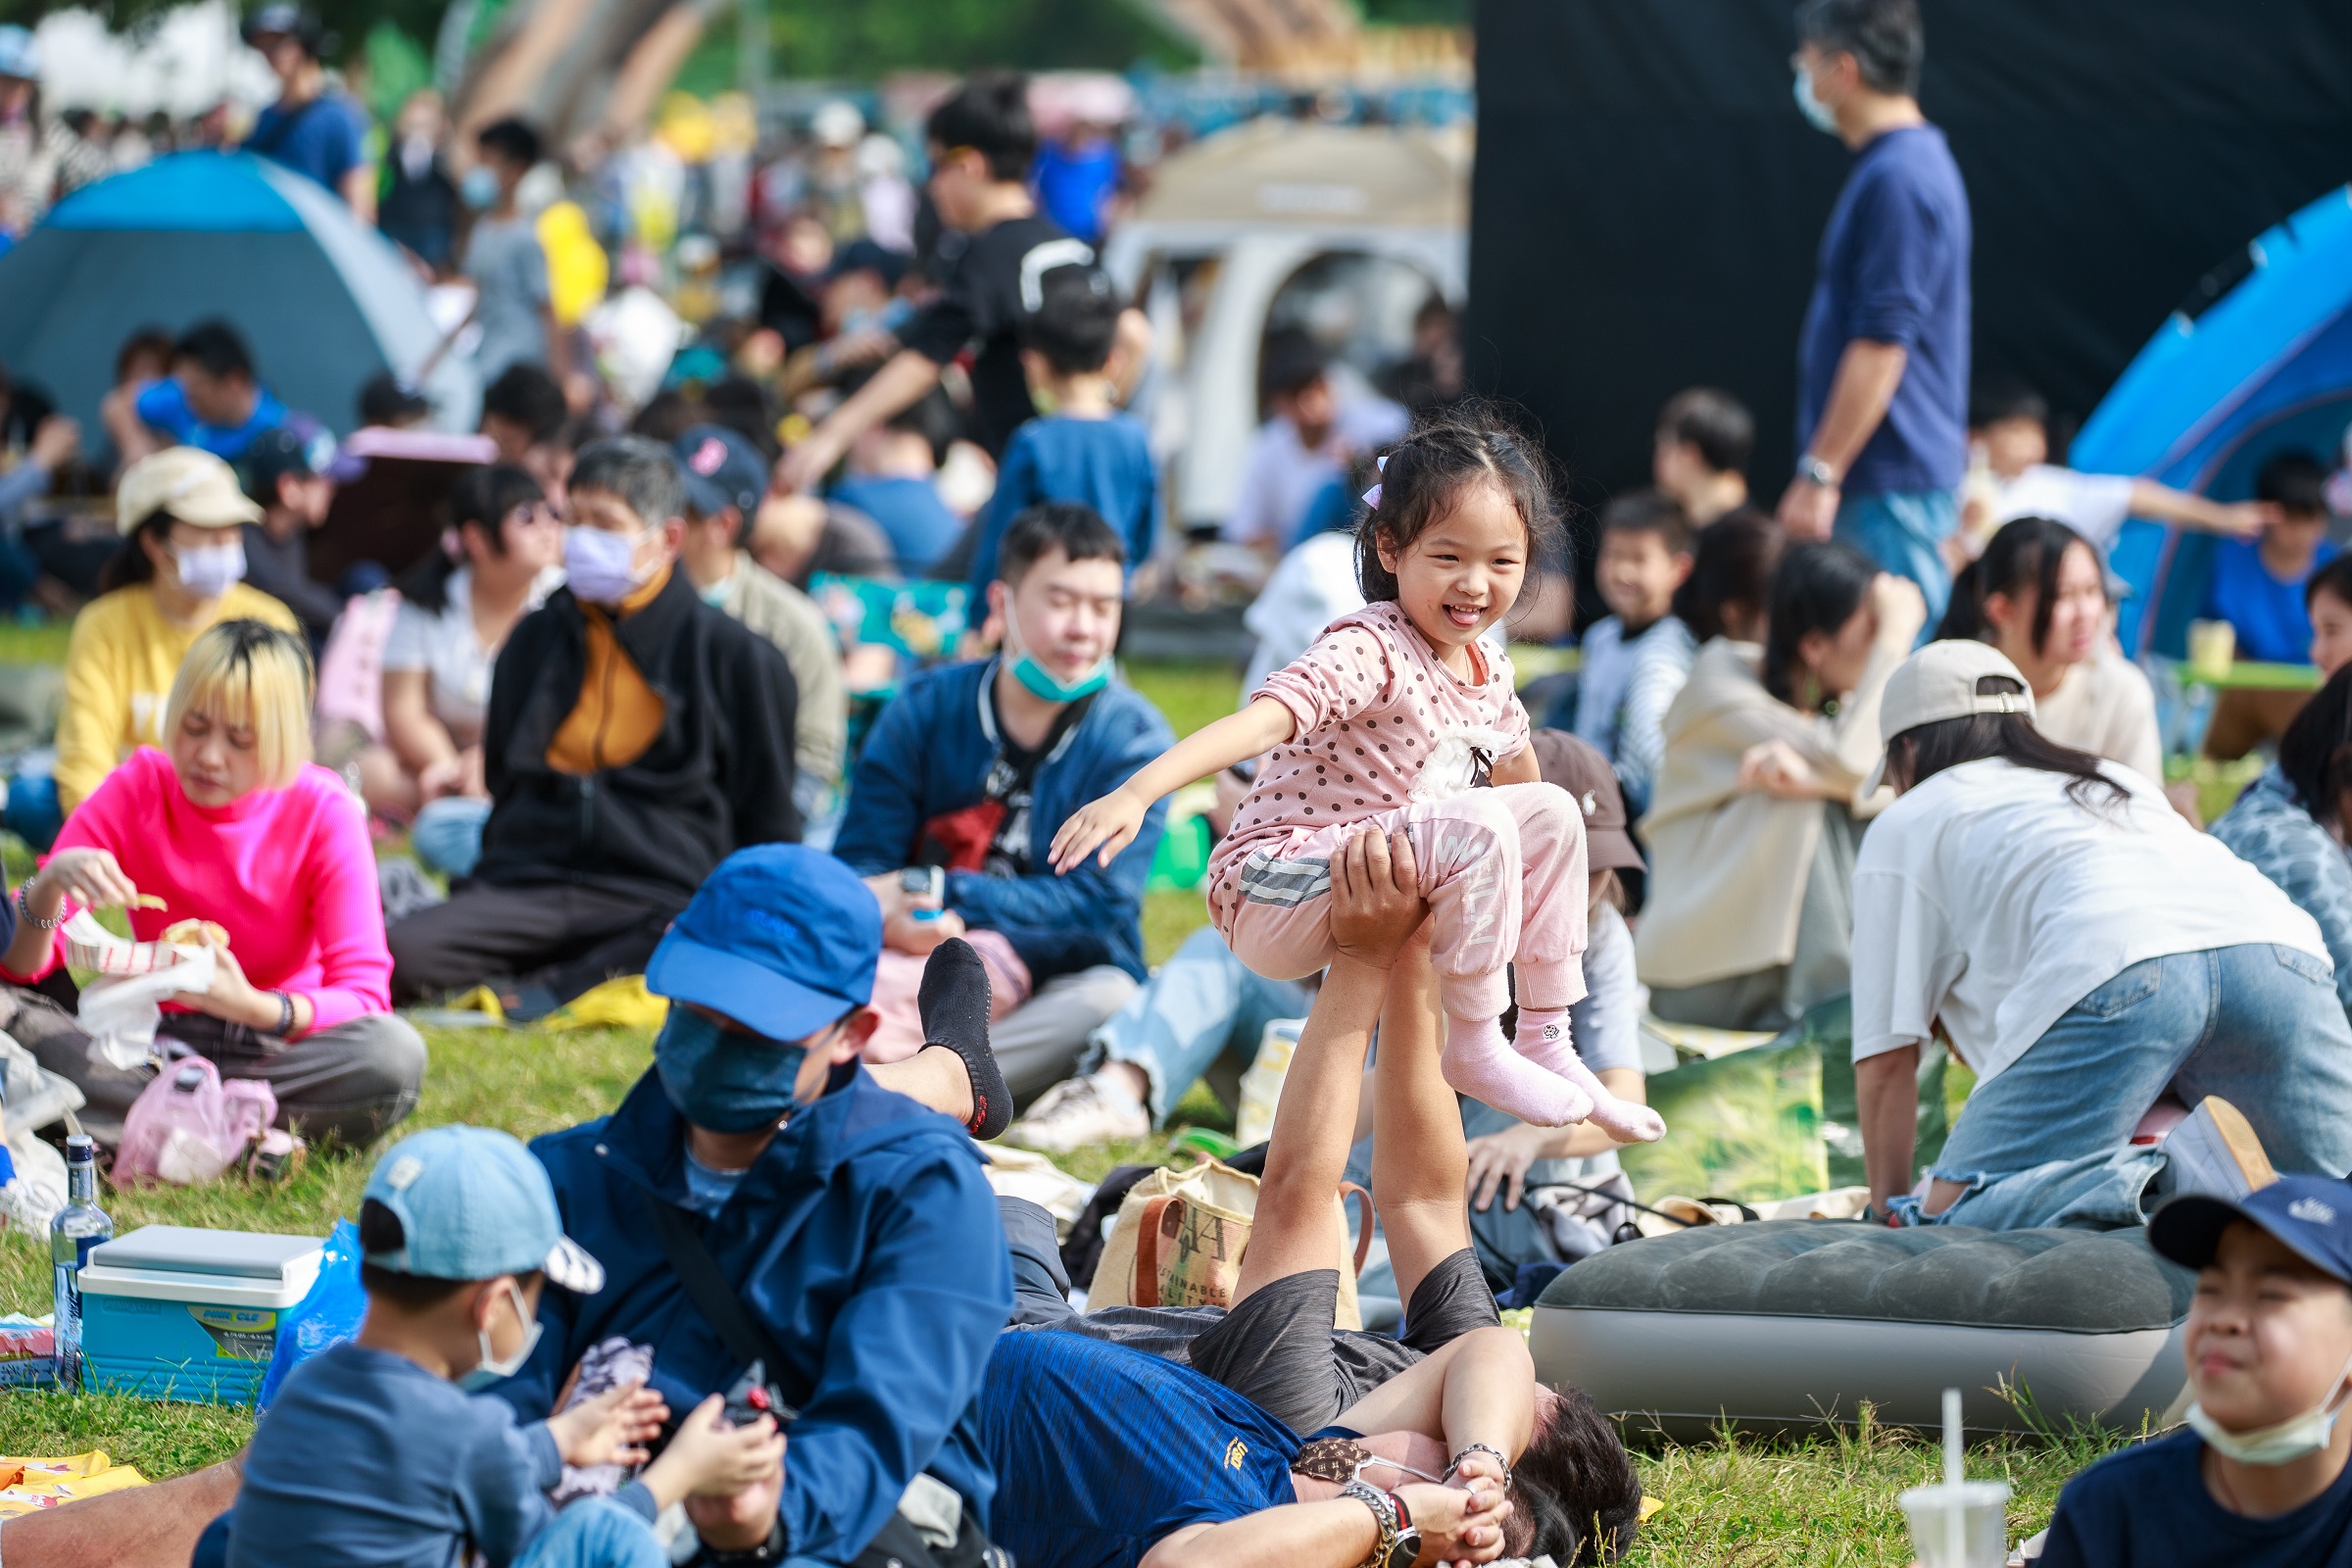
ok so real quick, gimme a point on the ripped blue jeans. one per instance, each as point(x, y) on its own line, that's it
point(2047, 1140)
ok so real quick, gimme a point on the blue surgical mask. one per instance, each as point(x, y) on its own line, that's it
point(1041, 682)
point(1816, 113)
point(478, 189)
point(722, 1081)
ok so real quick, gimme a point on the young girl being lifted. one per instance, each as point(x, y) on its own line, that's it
point(1393, 720)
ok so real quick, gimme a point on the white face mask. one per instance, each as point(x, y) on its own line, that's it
point(490, 1369)
point(2296, 1437)
point(600, 566)
point(1816, 113)
point(210, 571)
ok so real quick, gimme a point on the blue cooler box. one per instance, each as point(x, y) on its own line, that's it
point(170, 1312)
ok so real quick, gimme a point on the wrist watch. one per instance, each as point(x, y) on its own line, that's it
point(1399, 1540)
point(1813, 471)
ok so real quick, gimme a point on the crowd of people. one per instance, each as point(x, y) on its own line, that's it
point(1882, 744)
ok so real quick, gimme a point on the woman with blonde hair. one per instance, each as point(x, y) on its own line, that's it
point(232, 824)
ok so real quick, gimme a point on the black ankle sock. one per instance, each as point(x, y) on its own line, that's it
point(954, 999)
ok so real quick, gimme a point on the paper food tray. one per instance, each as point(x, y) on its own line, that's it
point(91, 946)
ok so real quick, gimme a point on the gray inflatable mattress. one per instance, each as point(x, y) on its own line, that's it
point(1796, 1323)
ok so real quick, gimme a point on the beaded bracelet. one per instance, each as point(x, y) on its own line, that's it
point(33, 919)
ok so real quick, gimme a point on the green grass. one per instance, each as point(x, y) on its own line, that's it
point(37, 642)
point(1828, 1500)
point(1188, 695)
point(1729, 1503)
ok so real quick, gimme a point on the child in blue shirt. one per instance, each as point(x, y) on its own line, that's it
point(376, 1452)
point(893, 478)
point(2258, 1478)
point(2257, 585)
point(212, 399)
point(1085, 451)
point(1636, 661)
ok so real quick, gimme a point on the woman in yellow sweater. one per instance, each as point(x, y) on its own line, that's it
point(179, 570)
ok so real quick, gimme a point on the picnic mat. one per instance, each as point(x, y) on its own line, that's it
point(28, 1485)
point(1775, 1120)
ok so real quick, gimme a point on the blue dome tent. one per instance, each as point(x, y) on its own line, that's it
point(323, 302)
point(2268, 365)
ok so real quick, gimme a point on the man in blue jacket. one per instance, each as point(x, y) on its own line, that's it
point(973, 769)
point(759, 1197)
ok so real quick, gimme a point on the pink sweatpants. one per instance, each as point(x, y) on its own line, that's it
point(1504, 870)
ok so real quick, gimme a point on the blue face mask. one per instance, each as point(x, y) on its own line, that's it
point(722, 1081)
point(1816, 113)
point(478, 189)
point(1043, 683)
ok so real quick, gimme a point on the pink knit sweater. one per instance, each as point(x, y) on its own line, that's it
point(289, 874)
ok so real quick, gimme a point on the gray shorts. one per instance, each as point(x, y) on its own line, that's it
point(1278, 1347)
point(1279, 1350)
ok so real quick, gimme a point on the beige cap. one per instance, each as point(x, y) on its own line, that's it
point(1939, 682)
point(188, 482)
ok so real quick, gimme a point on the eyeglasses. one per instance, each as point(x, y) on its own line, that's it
point(536, 515)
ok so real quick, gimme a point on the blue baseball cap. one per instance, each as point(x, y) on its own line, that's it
point(2310, 1215)
point(473, 1203)
point(782, 939)
point(19, 55)
point(721, 470)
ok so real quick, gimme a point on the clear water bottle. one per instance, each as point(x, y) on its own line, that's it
point(79, 1226)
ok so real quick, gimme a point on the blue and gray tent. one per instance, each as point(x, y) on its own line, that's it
point(323, 301)
point(2266, 367)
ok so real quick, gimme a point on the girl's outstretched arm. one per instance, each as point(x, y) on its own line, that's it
point(1110, 824)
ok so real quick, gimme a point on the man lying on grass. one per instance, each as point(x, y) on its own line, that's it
point(2257, 1478)
point(1285, 1442)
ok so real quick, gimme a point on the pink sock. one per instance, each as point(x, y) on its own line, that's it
point(1478, 1063)
point(1543, 1038)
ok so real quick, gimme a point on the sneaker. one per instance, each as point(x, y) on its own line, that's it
point(2215, 1152)
point(1078, 1111)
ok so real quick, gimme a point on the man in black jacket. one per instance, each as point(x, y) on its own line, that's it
point(636, 738)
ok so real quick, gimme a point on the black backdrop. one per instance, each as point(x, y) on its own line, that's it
point(1647, 200)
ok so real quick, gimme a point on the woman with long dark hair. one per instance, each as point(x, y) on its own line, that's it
point(2085, 950)
point(1758, 805)
point(2038, 594)
point(500, 560)
point(2292, 824)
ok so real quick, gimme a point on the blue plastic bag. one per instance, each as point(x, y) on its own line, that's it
point(327, 1315)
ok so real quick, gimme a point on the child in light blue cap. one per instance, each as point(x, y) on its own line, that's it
point(377, 1452)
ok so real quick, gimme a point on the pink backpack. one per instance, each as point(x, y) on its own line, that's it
point(188, 1126)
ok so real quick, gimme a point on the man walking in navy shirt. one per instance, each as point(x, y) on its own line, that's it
point(1882, 364)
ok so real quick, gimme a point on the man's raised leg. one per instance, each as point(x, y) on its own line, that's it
point(1376, 906)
